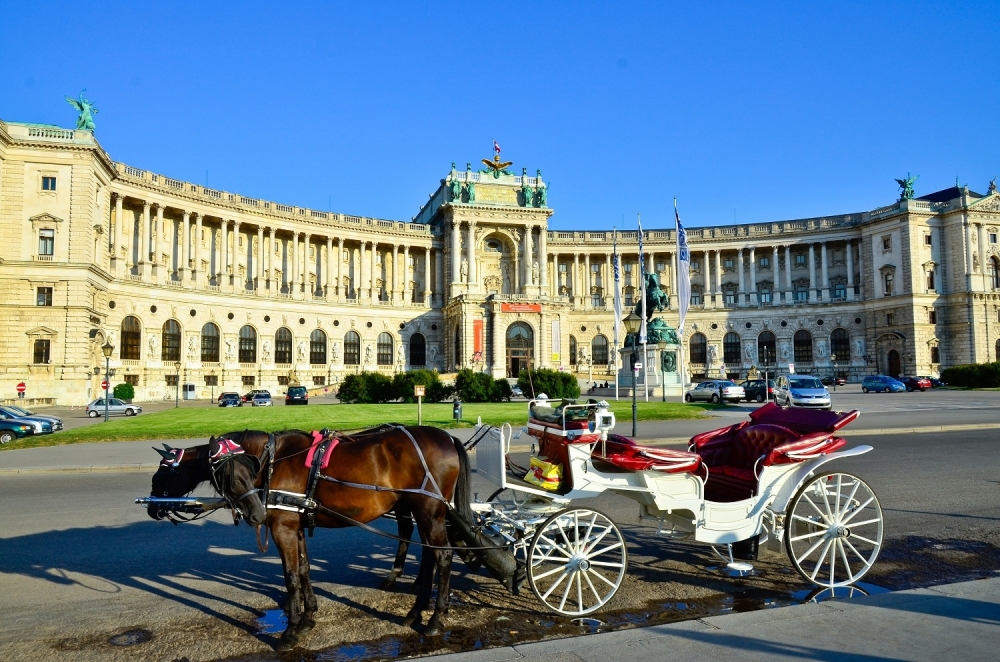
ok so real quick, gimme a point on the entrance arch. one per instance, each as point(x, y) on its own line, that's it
point(520, 348)
point(894, 368)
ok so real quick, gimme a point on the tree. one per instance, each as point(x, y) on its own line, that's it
point(434, 389)
point(124, 391)
point(552, 383)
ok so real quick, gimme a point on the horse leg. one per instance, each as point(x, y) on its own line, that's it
point(405, 523)
point(308, 597)
point(422, 585)
point(431, 522)
point(286, 539)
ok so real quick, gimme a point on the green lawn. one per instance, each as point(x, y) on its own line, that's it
point(204, 422)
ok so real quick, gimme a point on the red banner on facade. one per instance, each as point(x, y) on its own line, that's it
point(477, 336)
point(520, 308)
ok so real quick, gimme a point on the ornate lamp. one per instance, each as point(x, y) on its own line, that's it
point(107, 349)
point(632, 324)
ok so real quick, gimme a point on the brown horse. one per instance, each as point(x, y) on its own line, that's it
point(413, 470)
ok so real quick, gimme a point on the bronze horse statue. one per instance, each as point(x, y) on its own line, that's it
point(415, 471)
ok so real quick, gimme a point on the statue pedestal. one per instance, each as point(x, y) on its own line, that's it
point(659, 372)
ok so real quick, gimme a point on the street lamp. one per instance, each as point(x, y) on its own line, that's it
point(835, 375)
point(211, 383)
point(177, 386)
point(632, 324)
point(107, 348)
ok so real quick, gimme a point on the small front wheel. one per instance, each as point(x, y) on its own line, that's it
point(760, 397)
point(577, 561)
point(6, 437)
point(715, 399)
point(130, 412)
point(687, 397)
point(93, 413)
point(864, 389)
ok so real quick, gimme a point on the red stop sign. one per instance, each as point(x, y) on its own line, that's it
point(21, 388)
point(104, 384)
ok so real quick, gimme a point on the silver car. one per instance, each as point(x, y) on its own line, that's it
point(710, 392)
point(262, 399)
point(115, 406)
point(801, 391)
point(57, 423)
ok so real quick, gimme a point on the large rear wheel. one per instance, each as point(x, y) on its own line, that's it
point(833, 529)
point(577, 561)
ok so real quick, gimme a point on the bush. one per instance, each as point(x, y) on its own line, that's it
point(973, 375)
point(368, 387)
point(124, 391)
point(353, 390)
point(435, 391)
point(552, 383)
point(481, 387)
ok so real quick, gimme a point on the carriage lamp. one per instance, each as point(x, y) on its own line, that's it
point(107, 349)
point(632, 323)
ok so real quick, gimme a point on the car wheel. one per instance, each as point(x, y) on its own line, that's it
point(760, 397)
point(687, 397)
point(130, 412)
point(864, 389)
point(715, 398)
point(6, 437)
point(93, 413)
point(909, 389)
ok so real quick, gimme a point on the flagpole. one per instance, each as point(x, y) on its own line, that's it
point(683, 285)
point(617, 306)
point(645, 313)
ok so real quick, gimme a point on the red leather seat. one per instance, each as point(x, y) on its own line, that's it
point(624, 453)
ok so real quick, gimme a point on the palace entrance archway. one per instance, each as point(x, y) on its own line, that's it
point(520, 348)
point(894, 368)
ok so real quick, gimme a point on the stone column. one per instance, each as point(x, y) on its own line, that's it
point(576, 280)
point(471, 254)
point(776, 286)
point(587, 282)
point(674, 303)
point(427, 278)
point(328, 269)
point(812, 272)
point(849, 249)
point(861, 269)
point(981, 247)
point(116, 228)
point(456, 258)
point(439, 276)
point(293, 279)
point(393, 289)
point(185, 248)
point(359, 274)
point(407, 294)
point(271, 248)
point(740, 296)
point(719, 297)
point(706, 277)
point(373, 290)
point(235, 266)
point(196, 274)
point(825, 271)
point(223, 273)
point(258, 276)
point(789, 293)
point(154, 253)
point(341, 294)
point(753, 277)
point(543, 258)
point(555, 274)
point(306, 245)
point(143, 243)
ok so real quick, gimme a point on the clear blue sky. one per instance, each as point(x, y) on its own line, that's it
point(753, 111)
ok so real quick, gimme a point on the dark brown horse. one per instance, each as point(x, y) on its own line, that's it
point(417, 470)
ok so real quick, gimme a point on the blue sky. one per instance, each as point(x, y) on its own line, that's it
point(745, 111)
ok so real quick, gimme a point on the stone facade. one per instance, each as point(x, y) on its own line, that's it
point(204, 287)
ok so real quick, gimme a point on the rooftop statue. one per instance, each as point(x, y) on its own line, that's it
point(907, 187)
point(993, 187)
point(87, 111)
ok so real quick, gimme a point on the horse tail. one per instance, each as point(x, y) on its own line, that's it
point(463, 489)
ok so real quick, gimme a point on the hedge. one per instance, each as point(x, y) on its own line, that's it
point(552, 383)
point(480, 387)
point(123, 391)
point(973, 375)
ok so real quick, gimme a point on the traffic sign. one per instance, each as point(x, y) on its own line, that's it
point(21, 388)
point(419, 390)
point(638, 366)
point(104, 385)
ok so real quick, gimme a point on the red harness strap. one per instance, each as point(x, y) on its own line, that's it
point(317, 440)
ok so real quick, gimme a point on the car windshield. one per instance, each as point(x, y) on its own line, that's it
point(804, 382)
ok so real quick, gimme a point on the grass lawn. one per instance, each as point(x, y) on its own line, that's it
point(204, 422)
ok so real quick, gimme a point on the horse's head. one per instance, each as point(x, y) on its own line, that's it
point(180, 471)
point(234, 474)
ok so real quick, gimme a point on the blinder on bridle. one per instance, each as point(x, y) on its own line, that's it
point(223, 455)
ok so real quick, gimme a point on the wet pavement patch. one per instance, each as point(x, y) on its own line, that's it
point(274, 621)
point(131, 637)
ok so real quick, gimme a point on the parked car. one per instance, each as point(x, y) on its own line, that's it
point(832, 381)
point(40, 425)
point(916, 383)
point(801, 391)
point(11, 430)
point(261, 399)
point(115, 407)
point(881, 384)
point(297, 395)
point(230, 399)
point(515, 391)
point(709, 392)
point(758, 390)
point(249, 396)
point(57, 423)
point(935, 382)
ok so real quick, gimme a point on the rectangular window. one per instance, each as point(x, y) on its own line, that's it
point(132, 379)
point(319, 381)
point(935, 354)
point(628, 268)
point(211, 380)
point(932, 317)
point(696, 298)
point(46, 242)
point(248, 380)
point(886, 243)
point(695, 265)
point(596, 268)
point(801, 293)
point(44, 296)
point(727, 263)
point(839, 291)
point(563, 268)
point(41, 353)
point(282, 380)
point(930, 280)
point(928, 241)
point(993, 237)
point(171, 380)
point(890, 319)
point(765, 296)
point(730, 297)
point(48, 183)
point(800, 259)
point(597, 301)
point(887, 281)
point(764, 262)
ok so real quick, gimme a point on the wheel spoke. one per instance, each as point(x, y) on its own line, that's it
point(604, 550)
point(607, 564)
point(819, 562)
point(847, 564)
point(870, 542)
point(866, 522)
point(859, 555)
point(548, 573)
point(601, 577)
point(833, 561)
point(809, 552)
point(857, 510)
point(593, 590)
point(808, 535)
point(596, 540)
point(802, 518)
point(857, 485)
point(565, 596)
point(554, 586)
point(810, 502)
point(579, 591)
point(826, 500)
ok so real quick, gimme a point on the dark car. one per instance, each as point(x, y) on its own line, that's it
point(916, 383)
point(248, 397)
point(11, 430)
point(758, 390)
point(834, 381)
point(297, 395)
point(230, 400)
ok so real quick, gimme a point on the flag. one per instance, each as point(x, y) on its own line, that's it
point(642, 279)
point(618, 289)
point(683, 270)
point(496, 147)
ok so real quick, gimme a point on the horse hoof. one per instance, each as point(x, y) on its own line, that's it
point(287, 642)
point(388, 584)
point(308, 623)
point(432, 630)
point(410, 620)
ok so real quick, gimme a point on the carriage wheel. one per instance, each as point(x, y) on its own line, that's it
point(577, 561)
point(833, 529)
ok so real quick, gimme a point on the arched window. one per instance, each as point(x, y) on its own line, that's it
point(131, 339)
point(599, 349)
point(520, 348)
point(995, 272)
point(171, 348)
point(840, 345)
point(765, 349)
point(803, 343)
point(731, 346)
point(317, 348)
point(352, 348)
point(210, 343)
point(248, 345)
point(699, 348)
point(572, 350)
point(283, 346)
point(384, 353)
point(418, 350)
point(458, 345)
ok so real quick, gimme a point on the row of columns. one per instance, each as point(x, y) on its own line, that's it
point(464, 267)
point(143, 261)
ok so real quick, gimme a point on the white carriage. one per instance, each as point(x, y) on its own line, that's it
point(756, 482)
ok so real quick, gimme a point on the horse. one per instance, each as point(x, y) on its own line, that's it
point(415, 471)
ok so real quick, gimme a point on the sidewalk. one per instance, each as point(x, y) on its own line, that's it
point(952, 621)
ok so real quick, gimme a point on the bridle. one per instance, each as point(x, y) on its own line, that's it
point(223, 471)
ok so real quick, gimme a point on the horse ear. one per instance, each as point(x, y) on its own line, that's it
point(167, 448)
point(166, 455)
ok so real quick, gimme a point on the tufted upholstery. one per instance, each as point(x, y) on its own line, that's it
point(754, 441)
point(624, 453)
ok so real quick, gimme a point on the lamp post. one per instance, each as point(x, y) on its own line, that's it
point(632, 323)
point(177, 385)
point(211, 398)
point(834, 376)
point(107, 348)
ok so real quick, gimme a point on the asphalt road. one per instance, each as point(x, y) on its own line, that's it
point(80, 563)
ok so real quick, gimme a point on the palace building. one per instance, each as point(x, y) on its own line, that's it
point(192, 285)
